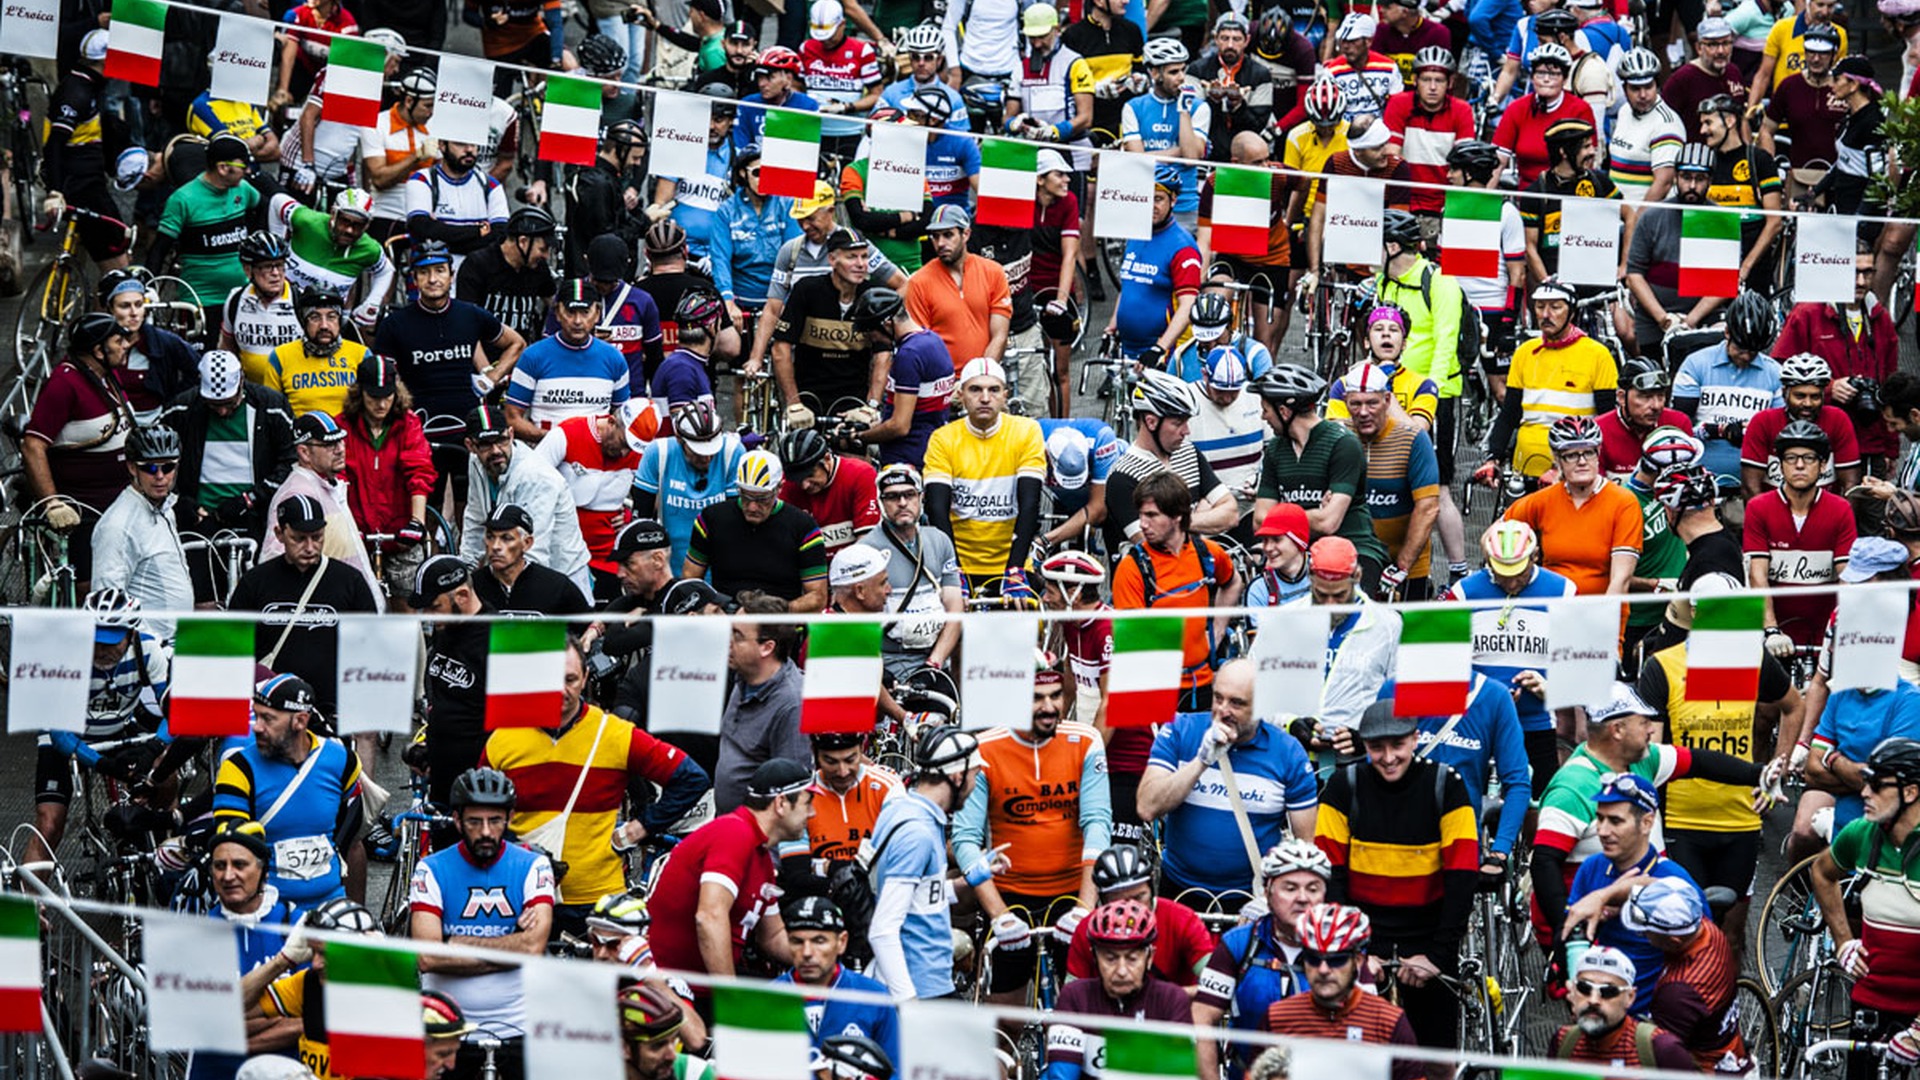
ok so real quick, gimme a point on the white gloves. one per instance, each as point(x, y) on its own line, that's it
point(297, 950)
point(1798, 764)
point(304, 177)
point(51, 206)
point(1214, 744)
point(1853, 958)
point(799, 417)
point(1063, 929)
point(1779, 644)
point(61, 515)
point(659, 211)
point(865, 416)
point(1391, 579)
point(367, 314)
point(429, 149)
point(1010, 931)
point(482, 385)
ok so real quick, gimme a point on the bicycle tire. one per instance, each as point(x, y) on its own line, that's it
point(1776, 955)
point(1808, 1009)
point(1759, 1027)
point(36, 337)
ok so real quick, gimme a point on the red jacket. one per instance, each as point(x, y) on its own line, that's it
point(382, 479)
point(1819, 329)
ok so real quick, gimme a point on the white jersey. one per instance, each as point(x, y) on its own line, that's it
point(1641, 143)
point(1231, 440)
point(1048, 96)
point(470, 200)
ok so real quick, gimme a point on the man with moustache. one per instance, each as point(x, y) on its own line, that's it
point(453, 202)
point(1602, 1032)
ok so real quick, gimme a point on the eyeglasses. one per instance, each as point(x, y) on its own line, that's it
point(1580, 455)
point(1603, 991)
point(760, 498)
point(1882, 783)
point(159, 468)
point(1799, 459)
point(898, 496)
point(1309, 958)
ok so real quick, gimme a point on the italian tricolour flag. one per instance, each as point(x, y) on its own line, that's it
point(526, 673)
point(1470, 235)
point(1435, 663)
point(374, 1026)
point(1723, 649)
point(570, 121)
point(790, 154)
point(1143, 682)
point(1709, 253)
point(842, 681)
point(1148, 1055)
point(19, 965)
point(356, 70)
point(1006, 183)
point(759, 1034)
point(135, 36)
point(1241, 210)
point(212, 678)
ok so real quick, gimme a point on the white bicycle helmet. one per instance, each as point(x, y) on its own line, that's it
point(1165, 50)
point(395, 44)
point(1639, 66)
point(1550, 53)
point(1804, 369)
point(921, 38)
point(1294, 854)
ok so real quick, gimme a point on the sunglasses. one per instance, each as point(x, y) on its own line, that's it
point(158, 468)
point(1648, 381)
point(1603, 991)
point(759, 499)
point(1309, 958)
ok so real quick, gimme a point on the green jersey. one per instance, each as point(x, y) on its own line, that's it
point(1566, 807)
point(316, 261)
point(904, 253)
point(207, 225)
point(688, 1067)
point(1332, 463)
point(1663, 555)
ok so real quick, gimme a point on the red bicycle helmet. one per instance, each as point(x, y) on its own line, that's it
point(1333, 928)
point(1123, 924)
point(1573, 433)
point(1325, 102)
point(780, 58)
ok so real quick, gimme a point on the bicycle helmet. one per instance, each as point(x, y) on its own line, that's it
point(1644, 374)
point(876, 308)
point(114, 608)
point(1292, 385)
point(1668, 447)
point(1122, 924)
point(1573, 433)
point(313, 298)
point(813, 913)
point(1555, 21)
point(699, 309)
point(1162, 51)
point(130, 167)
point(262, 246)
point(834, 741)
point(1805, 435)
point(621, 913)
point(854, 1057)
point(1804, 369)
point(696, 422)
point(1333, 928)
point(344, 916)
point(353, 202)
point(1400, 227)
point(1122, 866)
point(1272, 35)
point(1639, 66)
point(1508, 543)
point(1226, 370)
point(392, 40)
point(600, 56)
point(648, 1013)
point(1074, 567)
point(1433, 58)
point(759, 472)
point(1722, 104)
point(419, 83)
point(930, 690)
point(665, 237)
point(428, 253)
point(481, 787)
point(531, 221)
point(1064, 328)
point(441, 1017)
point(933, 101)
point(153, 442)
point(625, 135)
point(1902, 516)
point(1294, 854)
point(1752, 322)
point(722, 99)
point(1324, 102)
point(1211, 316)
point(944, 749)
point(131, 279)
point(1548, 54)
point(1552, 289)
point(90, 331)
point(1694, 157)
point(802, 450)
point(779, 58)
point(1169, 177)
point(1161, 394)
point(1687, 487)
point(1895, 757)
point(921, 38)
point(1478, 159)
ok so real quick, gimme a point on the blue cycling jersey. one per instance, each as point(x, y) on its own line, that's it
point(831, 1017)
point(1156, 120)
point(1191, 363)
point(1263, 974)
point(1512, 638)
point(1150, 274)
point(475, 900)
point(1106, 451)
point(680, 491)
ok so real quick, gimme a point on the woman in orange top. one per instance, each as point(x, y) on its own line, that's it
point(1589, 527)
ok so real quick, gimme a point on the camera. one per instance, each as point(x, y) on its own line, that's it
point(599, 664)
point(1867, 397)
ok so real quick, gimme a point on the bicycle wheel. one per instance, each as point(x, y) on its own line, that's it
point(1813, 1005)
point(1759, 1028)
point(1780, 949)
point(58, 292)
point(1902, 297)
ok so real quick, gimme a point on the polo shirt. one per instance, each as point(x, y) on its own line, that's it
point(961, 314)
point(1202, 842)
point(1800, 552)
point(729, 851)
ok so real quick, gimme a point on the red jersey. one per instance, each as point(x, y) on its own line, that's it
point(729, 851)
point(840, 73)
point(313, 47)
point(1756, 446)
point(1184, 947)
point(1425, 139)
point(599, 484)
point(1694, 1001)
point(1620, 448)
point(846, 507)
point(1523, 130)
point(1363, 1017)
point(1800, 552)
point(1620, 1048)
point(1852, 342)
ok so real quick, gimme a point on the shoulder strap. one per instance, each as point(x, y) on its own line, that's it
point(1568, 1040)
point(1643, 1033)
point(1427, 273)
point(1138, 553)
point(293, 785)
point(306, 595)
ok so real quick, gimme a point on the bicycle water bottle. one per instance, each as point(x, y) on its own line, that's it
point(1577, 945)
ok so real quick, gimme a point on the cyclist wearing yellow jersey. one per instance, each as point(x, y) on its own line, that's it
point(1309, 145)
point(74, 157)
point(1561, 373)
point(259, 316)
point(315, 372)
point(209, 116)
point(984, 475)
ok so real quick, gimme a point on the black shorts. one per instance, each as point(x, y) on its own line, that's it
point(1726, 859)
point(1443, 437)
point(1543, 756)
point(1263, 279)
point(1013, 968)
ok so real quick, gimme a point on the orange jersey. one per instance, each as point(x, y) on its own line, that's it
point(1579, 543)
point(1033, 805)
point(840, 822)
point(1179, 581)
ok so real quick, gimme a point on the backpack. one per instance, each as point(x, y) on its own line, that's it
point(1643, 1033)
point(850, 885)
point(1150, 588)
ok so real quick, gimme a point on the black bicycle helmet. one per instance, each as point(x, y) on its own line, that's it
point(723, 98)
point(600, 56)
point(835, 741)
point(345, 916)
point(625, 135)
point(262, 246)
point(153, 442)
point(1641, 373)
point(813, 913)
point(1724, 104)
point(933, 101)
point(699, 308)
point(1478, 159)
point(531, 221)
point(944, 749)
point(1805, 435)
point(313, 298)
point(1896, 757)
point(1752, 323)
point(481, 787)
point(1161, 394)
point(876, 309)
point(801, 450)
point(90, 331)
point(1291, 385)
point(855, 1055)
point(1554, 22)
point(1400, 227)
point(1272, 34)
point(1121, 866)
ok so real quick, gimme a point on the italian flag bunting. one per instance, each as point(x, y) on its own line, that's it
point(1241, 210)
point(1470, 235)
point(526, 673)
point(842, 682)
point(1148, 1055)
point(1006, 183)
point(356, 70)
point(1709, 253)
point(19, 965)
point(790, 154)
point(374, 1026)
point(569, 122)
point(213, 669)
point(135, 36)
point(759, 1034)
point(1723, 648)
point(1434, 668)
point(1143, 682)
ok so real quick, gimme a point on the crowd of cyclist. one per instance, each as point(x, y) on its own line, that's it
point(422, 375)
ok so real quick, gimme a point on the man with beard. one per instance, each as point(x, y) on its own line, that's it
point(1403, 482)
point(817, 937)
point(1599, 992)
point(315, 370)
point(742, 45)
point(1805, 380)
point(651, 1021)
point(318, 473)
point(1570, 172)
point(487, 894)
point(1707, 75)
point(1240, 92)
point(1333, 948)
point(456, 672)
point(1653, 256)
point(455, 203)
point(318, 802)
point(513, 279)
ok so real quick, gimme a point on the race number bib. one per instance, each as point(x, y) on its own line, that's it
point(303, 858)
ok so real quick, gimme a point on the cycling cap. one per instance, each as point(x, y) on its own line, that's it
point(317, 427)
point(1805, 435)
point(778, 777)
point(1667, 448)
point(428, 253)
point(248, 834)
point(130, 167)
point(981, 367)
point(1713, 29)
point(1804, 369)
point(1664, 906)
point(898, 474)
point(392, 40)
point(481, 787)
point(1573, 433)
point(1160, 394)
point(813, 912)
point(1288, 520)
point(1212, 314)
point(441, 1017)
point(1333, 928)
point(1073, 568)
point(1069, 456)
point(690, 596)
point(1509, 547)
point(1226, 370)
point(1367, 378)
point(648, 1013)
point(353, 202)
point(1629, 788)
point(287, 693)
point(1872, 556)
point(1122, 866)
point(856, 563)
point(1292, 855)
point(639, 421)
point(759, 472)
point(1122, 924)
point(437, 577)
point(1605, 960)
point(1626, 701)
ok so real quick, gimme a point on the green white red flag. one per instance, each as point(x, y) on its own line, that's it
point(1470, 235)
point(1723, 648)
point(760, 1034)
point(1148, 1055)
point(1242, 210)
point(19, 965)
point(569, 121)
point(212, 678)
point(790, 154)
point(356, 73)
point(136, 35)
point(374, 1026)
point(526, 673)
point(1434, 669)
point(1709, 253)
point(1007, 183)
point(841, 686)
point(1143, 682)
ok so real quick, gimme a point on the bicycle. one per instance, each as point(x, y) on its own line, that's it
point(20, 138)
point(176, 307)
point(1826, 1048)
point(230, 555)
point(1333, 310)
point(1030, 1043)
point(57, 294)
point(411, 829)
point(1116, 386)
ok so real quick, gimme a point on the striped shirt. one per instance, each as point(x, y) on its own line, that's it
point(1402, 471)
point(1641, 143)
point(1363, 1018)
point(1406, 853)
point(1231, 439)
point(1694, 1001)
